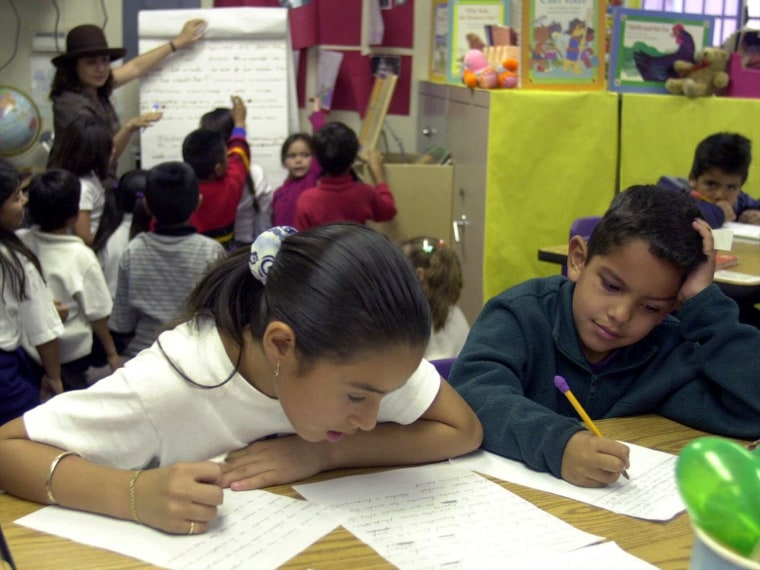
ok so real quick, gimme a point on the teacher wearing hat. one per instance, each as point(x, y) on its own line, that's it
point(84, 81)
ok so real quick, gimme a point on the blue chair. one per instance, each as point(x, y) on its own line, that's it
point(581, 227)
point(443, 365)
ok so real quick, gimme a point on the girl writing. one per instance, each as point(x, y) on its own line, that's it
point(315, 336)
point(26, 308)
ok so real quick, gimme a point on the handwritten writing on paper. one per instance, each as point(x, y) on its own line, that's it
point(245, 52)
point(442, 516)
point(650, 494)
point(255, 529)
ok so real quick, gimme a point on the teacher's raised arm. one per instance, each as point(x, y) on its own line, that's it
point(84, 80)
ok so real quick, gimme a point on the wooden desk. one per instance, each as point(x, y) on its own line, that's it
point(749, 263)
point(666, 545)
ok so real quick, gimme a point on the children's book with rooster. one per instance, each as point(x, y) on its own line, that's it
point(646, 44)
point(562, 44)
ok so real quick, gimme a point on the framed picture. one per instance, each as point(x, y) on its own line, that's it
point(561, 44)
point(468, 29)
point(645, 44)
point(439, 40)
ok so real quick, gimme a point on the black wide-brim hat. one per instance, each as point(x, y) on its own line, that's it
point(87, 40)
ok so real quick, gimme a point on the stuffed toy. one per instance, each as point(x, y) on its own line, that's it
point(479, 73)
point(703, 77)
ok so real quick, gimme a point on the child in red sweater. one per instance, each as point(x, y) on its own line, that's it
point(339, 196)
point(222, 172)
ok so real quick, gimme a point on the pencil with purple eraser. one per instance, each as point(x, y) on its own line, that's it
point(563, 387)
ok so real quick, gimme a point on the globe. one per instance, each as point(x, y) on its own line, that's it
point(20, 121)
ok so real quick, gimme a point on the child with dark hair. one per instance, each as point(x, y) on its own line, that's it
point(440, 273)
point(637, 327)
point(254, 211)
point(720, 169)
point(266, 349)
point(73, 275)
point(158, 269)
point(297, 157)
point(338, 196)
point(222, 171)
point(26, 309)
point(128, 219)
point(85, 151)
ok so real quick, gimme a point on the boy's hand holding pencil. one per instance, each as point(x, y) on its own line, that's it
point(590, 459)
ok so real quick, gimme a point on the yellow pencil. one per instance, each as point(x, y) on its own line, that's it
point(561, 383)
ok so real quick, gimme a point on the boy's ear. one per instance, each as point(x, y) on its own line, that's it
point(220, 169)
point(198, 205)
point(577, 252)
point(692, 182)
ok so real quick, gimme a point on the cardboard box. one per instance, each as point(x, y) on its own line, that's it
point(423, 195)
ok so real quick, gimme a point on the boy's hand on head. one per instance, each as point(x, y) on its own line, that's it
point(272, 462)
point(702, 275)
point(750, 217)
point(239, 111)
point(170, 498)
point(591, 461)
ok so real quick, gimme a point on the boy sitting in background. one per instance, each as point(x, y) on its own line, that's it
point(338, 196)
point(222, 171)
point(72, 272)
point(718, 172)
point(160, 268)
point(608, 330)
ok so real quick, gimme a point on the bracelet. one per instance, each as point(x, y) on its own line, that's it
point(51, 470)
point(171, 45)
point(132, 501)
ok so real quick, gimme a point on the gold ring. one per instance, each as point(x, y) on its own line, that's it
point(192, 527)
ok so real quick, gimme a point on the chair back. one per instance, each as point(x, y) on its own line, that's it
point(582, 227)
point(443, 365)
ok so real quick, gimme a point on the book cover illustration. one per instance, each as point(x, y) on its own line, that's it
point(647, 44)
point(563, 44)
point(469, 22)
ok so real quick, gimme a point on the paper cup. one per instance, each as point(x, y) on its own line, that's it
point(707, 554)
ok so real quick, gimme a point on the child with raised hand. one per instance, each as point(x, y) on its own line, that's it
point(254, 211)
point(269, 343)
point(72, 272)
point(85, 151)
point(636, 327)
point(303, 168)
point(222, 171)
point(338, 195)
point(27, 308)
point(440, 273)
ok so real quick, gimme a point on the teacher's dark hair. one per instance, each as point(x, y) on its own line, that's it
point(343, 288)
point(66, 79)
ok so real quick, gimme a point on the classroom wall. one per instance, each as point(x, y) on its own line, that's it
point(40, 16)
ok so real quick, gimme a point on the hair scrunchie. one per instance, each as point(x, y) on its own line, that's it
point(264, 250)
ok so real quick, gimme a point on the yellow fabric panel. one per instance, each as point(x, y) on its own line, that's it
point(659, 134)
point(552, 157)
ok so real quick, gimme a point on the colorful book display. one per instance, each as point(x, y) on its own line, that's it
point(562, 44)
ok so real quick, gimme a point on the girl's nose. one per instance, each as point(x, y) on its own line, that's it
point(365, 418)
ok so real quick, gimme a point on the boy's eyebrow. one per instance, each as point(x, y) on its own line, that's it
point(617, 278)
point(367, 388)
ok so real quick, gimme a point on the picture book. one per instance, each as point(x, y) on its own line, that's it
point(563, 44)
point(469, 22)
point(646, 44)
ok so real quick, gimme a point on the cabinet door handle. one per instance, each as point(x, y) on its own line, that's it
point(457, 226)
point(429, 131)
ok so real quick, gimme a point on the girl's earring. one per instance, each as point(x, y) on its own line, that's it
point(277, 369)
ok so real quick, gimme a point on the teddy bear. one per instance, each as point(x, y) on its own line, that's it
point(703, 77)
